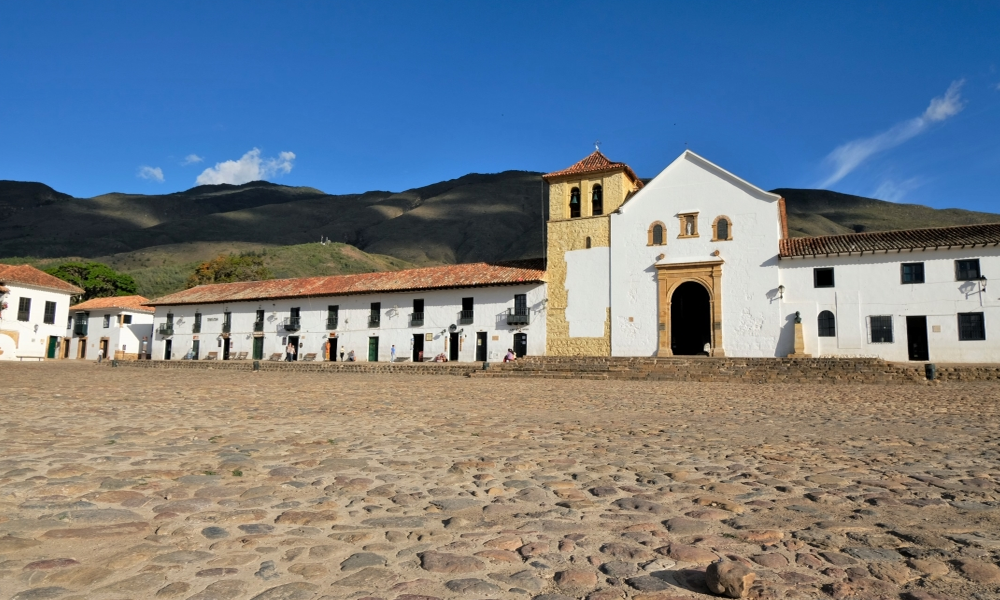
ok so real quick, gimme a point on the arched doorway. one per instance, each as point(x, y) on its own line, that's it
point(690, 319)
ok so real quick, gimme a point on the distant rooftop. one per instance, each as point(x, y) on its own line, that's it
point(959, 236)
point(28, 275)
point(133, 303)
point(595, 163)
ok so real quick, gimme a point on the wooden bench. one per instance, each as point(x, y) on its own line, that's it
point(212, 356)
point(276, 357)
point(38, 358)
point(241, 356)
point(309, 357)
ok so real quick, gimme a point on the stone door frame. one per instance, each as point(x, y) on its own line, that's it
point(668, 278)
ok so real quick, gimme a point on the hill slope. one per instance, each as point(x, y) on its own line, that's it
point(158, 239)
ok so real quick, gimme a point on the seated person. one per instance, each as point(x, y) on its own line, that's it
point(509, 357)
point(351, 357)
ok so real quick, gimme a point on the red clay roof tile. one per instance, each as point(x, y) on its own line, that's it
point(133, 303)
point(430, 278)
point(28, 275)
point(595, 163)
point(904, 239)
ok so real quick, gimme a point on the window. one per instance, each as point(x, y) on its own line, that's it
point(417, 316)
point(657, 234)
point(23, 309)
point(880, 328)
point(332, 316)
point(721, 230)
point(574, 203)
point(971, 327)
point(912, 272)
point(127, 319)
point(827, 324)
point(597, 201)
point(467, 316)
point(107, 321)
point(588, 243)
point(196, 328)
point(170, 319)
point(50, 313)
point(258, 323)
point(69, 322)
point(966, 270)
point(823, 278)
point(689, 225)
point(375, 314)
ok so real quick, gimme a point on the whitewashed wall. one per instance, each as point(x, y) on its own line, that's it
point(587, 291)
point(750, 321)
point(128, 335)
point(441, 309)
point(33, 335)
point(871, 285)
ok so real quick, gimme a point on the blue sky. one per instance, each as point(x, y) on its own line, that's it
point(898, 100)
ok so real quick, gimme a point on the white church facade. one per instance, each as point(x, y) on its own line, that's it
point(696, 261)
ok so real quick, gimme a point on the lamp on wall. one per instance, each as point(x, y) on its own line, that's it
point(781, 291)
point(982, 282)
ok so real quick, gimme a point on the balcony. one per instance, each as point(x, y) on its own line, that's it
point(227, 327)
point(166, 329)
point(417, 319)
point(258, 326)
point(196, 328)
point(466, 317)
point(332, 322)
point(293, 323)
point(80, 329)
point(518, 316)
point(374, 320)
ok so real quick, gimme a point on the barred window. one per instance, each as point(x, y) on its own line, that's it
point(971, 327)
point(107, 321)
point(657, 235)
point(126, 319)
point(912, 272)
point(827, 324)
point(966, 270)
point(24, 309)
point(50, 313)
point(823, 277)
point(880, 329)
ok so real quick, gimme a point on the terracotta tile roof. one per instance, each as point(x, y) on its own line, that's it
point(133, 303)
point(431, 278)
point(884, 241)
point(595, 163)
point(28, 275)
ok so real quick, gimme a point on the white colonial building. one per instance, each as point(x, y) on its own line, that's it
point(117, 327)
point(699, 261)
point(33, 310)
point(469, 312)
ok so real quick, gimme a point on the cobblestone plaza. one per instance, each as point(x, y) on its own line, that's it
point(219, 484)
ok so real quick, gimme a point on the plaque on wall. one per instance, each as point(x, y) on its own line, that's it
point(429, 337)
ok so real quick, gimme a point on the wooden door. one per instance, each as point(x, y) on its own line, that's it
point(373, 349)
point(916, 338)
point(520, 344)
point(418, 347)
point(258, 348)
point(453, 346)
point(481, 353)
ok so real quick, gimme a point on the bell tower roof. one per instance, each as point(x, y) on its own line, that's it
point(595, 163)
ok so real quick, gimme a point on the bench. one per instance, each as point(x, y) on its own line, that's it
point(276, 357)
point(212, 356)
point(309, 357)
point(242, 356)
point(38, 358)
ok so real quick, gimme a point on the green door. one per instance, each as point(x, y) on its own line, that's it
point(373, 349)
point(195, 349)
point(258, 348)
point(53, 344)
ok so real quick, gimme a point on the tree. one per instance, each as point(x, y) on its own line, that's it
point(96, 279)
point(229, 268)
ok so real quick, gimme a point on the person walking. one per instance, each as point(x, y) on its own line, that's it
point(289, 352)
point(392, 353)
point(341, 354)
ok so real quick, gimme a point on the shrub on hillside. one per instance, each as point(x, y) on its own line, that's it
point(229, 268)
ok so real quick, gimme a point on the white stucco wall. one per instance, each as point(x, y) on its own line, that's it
point(33, 334)
point(871, 285)
point(441, 309)
point(587, 289)
point(127, 337)
point(750, 322)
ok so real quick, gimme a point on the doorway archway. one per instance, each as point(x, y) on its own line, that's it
point(690, 319)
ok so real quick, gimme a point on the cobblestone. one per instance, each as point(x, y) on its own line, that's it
point(197, 483)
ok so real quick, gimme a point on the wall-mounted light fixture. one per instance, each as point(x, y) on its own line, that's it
point(781, 291)
point(982, 282)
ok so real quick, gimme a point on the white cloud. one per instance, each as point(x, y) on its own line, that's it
point(849, 156)
point(191, 159)
point(894, 191)
point(250, 167)
point(151, 173)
